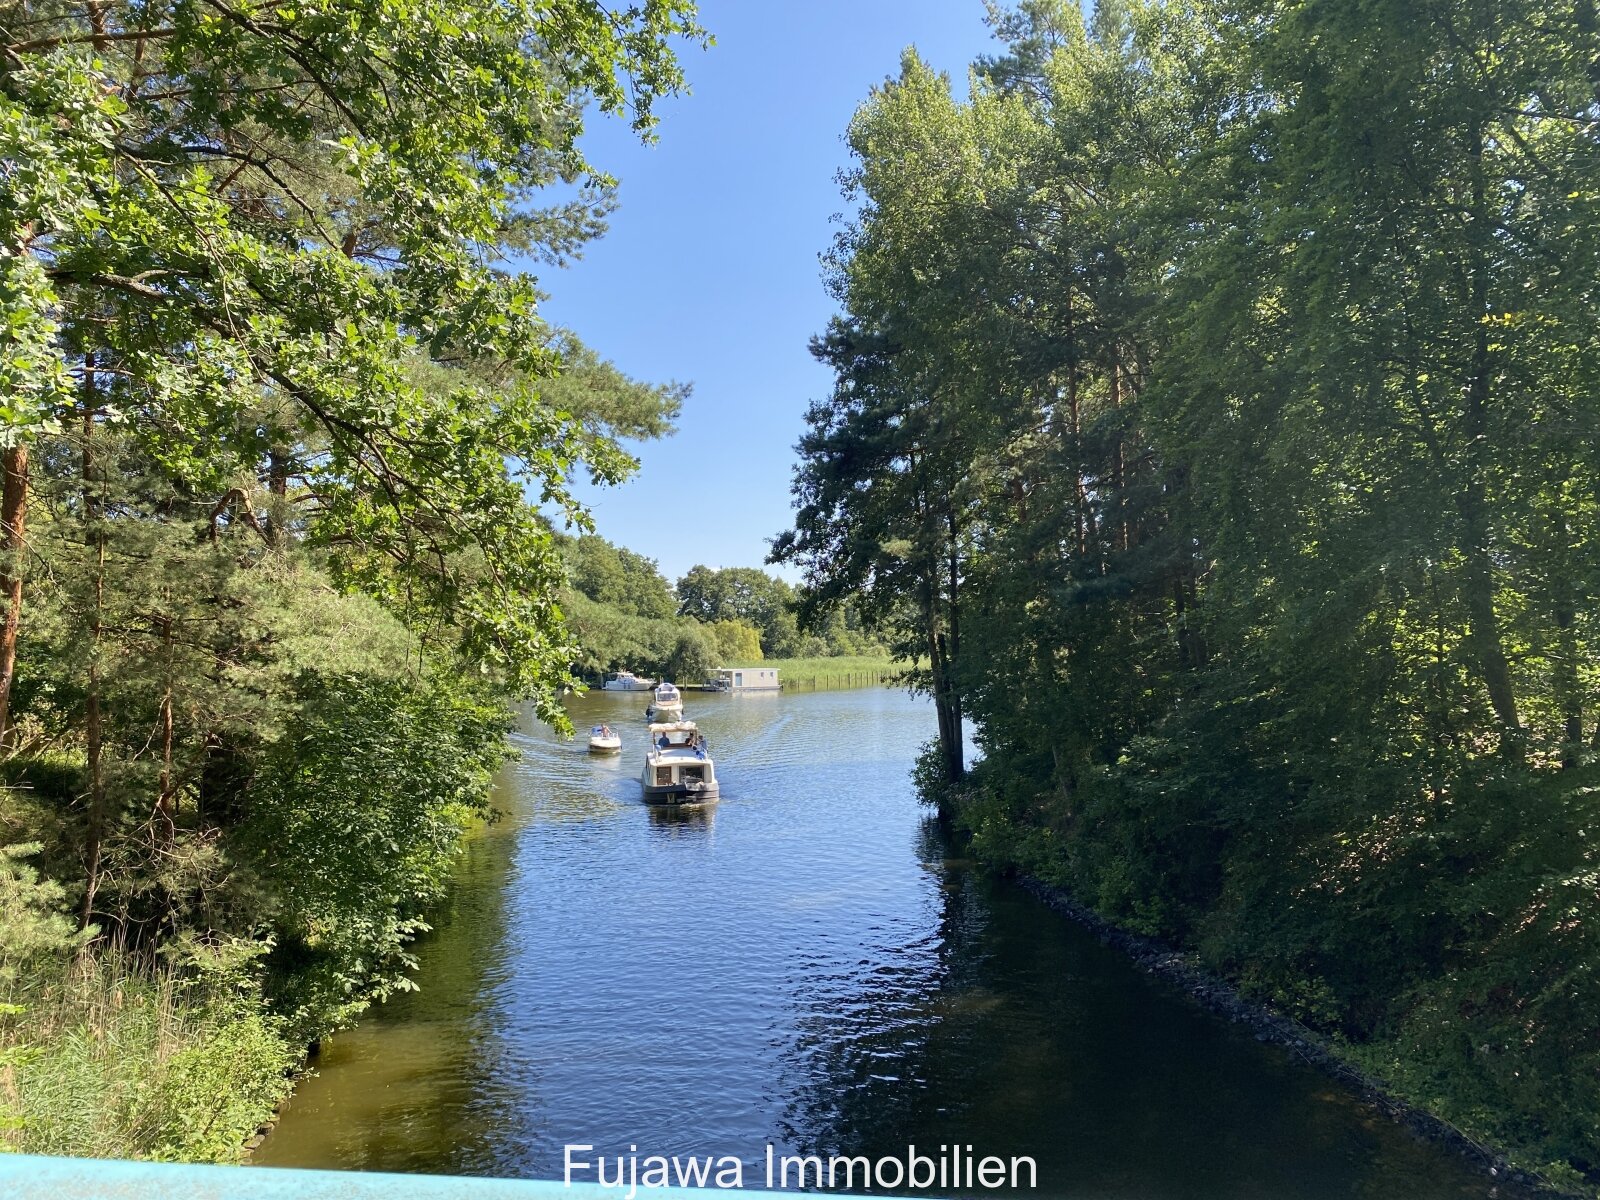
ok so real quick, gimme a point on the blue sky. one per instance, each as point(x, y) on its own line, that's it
point(709, 273)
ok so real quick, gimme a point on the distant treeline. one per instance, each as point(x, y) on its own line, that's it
point(1218, 414)
point(625, 614)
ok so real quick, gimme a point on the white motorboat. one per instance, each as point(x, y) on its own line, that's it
point(667, 705)
point(677, 766)
point(604, 740)
point(626, 681)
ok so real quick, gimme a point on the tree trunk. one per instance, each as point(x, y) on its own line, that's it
point(945, 713)
point(1568, 695)
point(956, 753)
point(166, 807)
point(13, 535)
point(92, 723)
point(277, 492)
point(1119, 480)
point(1080, 494)
point(1472, 500)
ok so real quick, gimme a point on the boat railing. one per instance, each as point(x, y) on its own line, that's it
point(33, 1177)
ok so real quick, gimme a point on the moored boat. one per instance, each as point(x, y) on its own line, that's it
point(626, 681)
point(604, 740)
point(677, 766)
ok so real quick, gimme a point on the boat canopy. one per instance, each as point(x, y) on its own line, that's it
point(673, 727)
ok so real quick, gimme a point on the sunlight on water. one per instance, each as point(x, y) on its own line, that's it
point(797, 964)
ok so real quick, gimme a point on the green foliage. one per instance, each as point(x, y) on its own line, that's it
point(114, 1057)
point(623, 614)
point(35, 925)
point(617, 577)
point(610, 638)
point(1214, 409)
point(693, 654)
point(351, 823)
point(605, 399)
point(249, 309)
point(737, 642)
point(743, 594)
point(297, 443)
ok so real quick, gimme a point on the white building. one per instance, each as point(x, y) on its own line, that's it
point(744, 679)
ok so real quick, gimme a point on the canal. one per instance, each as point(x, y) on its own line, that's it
point(802, 965)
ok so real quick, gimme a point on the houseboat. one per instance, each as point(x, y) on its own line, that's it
point(604, 740)
point(744, 679)
point(677, 766)
point(626, 681)
point(667, 705)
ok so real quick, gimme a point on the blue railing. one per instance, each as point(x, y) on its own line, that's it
point(27, 1177)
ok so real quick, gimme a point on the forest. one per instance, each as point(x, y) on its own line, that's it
point(288, 458)
point(1215, 424)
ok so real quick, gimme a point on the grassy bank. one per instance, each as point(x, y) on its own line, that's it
point(816, 674)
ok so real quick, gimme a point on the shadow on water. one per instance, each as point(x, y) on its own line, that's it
point(801, 964)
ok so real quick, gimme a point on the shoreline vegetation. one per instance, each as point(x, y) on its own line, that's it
point(287, 468)
point(1213, 416)
point(1213, 432)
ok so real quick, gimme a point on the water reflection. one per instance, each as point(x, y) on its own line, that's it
point(798, 963)
point(667, 820)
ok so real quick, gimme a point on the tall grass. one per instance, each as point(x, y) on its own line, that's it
point(110, 1056)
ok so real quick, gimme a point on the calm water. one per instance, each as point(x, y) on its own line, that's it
point(799, 964)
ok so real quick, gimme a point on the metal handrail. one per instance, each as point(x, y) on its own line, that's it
point(32, 1177)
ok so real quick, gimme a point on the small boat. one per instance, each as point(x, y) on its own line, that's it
point(604, 740)
point(677, 767)
point(668, 704)
point(626, 681)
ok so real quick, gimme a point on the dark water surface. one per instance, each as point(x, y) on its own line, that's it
point(798, 964)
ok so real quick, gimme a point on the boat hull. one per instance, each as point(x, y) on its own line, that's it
point(605, 745)
point(678, 793)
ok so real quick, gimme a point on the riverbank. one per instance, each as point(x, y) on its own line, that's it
point(1428, 973)
point(269, 915)
point(1217, 995)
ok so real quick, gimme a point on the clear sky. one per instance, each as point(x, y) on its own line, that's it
point(709, 273)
